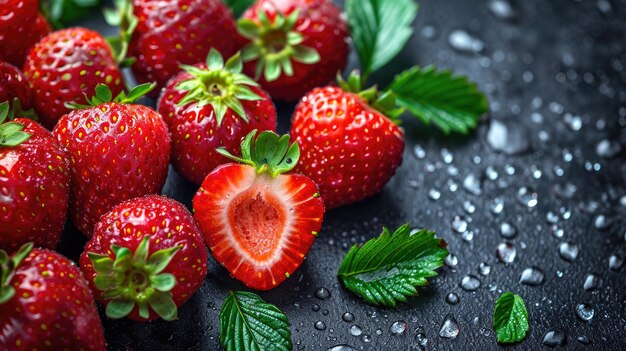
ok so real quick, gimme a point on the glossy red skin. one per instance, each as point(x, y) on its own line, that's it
point(117, 152)
point(324, 29)
point(66, 65)
point(294, 198)
point(13, 85)
point(169, 224)
point(195, 133)
point(21, 27)
point(52, 308)
point(34, 190)
point(168, 36)
point(349, 149)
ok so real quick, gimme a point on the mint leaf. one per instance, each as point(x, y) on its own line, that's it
point(452, 103)
point(379, 29)
point(238, 6)
point(388, 268)
point(510, 318)
point(249, 323)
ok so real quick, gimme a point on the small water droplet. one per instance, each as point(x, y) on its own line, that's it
point(532, 276)
point(356, 330)
point(527, 197)
point(447, 156)
point(497, 206)
point(472, 185)
point(507, 230)
point(452, 298)
point(462, 41)
point(459, 224)
point(470, 283)
point(322, 293)
point(508, 138)
point(583, 340)
point(484, 269)
point(554, 338)
point(584, 311)
point(449, 328)
point(552, 218)
point(429, 32)
point(419, 152)
point(568, 251)
point(602, 222)
point(502, 9)
point(434, 194)
point(421, 341)
point(615, 262)
point(347, 317)
point(506, 253)
point(491, 173)
point(469, 207)
point(608, 148)
point(319, 325)
point(565, 191)
point(398, 328)
point(315, 307)
point(366, 338)
point(592, 282)
point(451, 260)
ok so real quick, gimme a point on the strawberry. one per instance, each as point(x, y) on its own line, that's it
point(145, 259)
point(117, 150)
point(66, 64)
point(21, 27)
point(45, 304)
point(34, 184)
point(294, 45)
point(162, 34)
point(258, 222)
point(210, 106)
point(14, 87)
point(350, 147)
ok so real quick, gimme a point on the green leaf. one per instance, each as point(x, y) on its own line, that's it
point(62, 12)
point(163, 304)
point(510, 318)
point(387, 269)
point(380, 29)
point(117, 309)
point(452, 103)
point(248, 323)
point(238, 6)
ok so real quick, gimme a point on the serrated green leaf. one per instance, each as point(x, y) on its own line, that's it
point(248, 323)
point(238, 6)
point(380, 29)
point(452, 103)
point(510, 318)
point(387, 269)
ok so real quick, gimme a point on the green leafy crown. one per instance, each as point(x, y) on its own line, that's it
point(11, 133)
point(270, 153)
point(8, 265)
point(275, 44)
point(222, 86)
point(134, 279)
point(104, 95)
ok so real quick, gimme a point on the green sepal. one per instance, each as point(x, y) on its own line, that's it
point(11, 133)
point(221, 85)
point(121, 16)
point(8, 265)
point(270, 153)
point(276, 45)
point(103, 95)
point(384, 102)
point(135, 279)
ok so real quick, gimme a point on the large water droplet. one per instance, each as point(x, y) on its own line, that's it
point(568, 251)
point(554, 338)
point(322, 293)
point(472, 185)
point(506, 253)
point(459, 224)
point(470, 283)
point(462, 41)
point(532, 276)
point(449, 328)
point(527, 197)
point(615, 262)
point(319, 325)
point(511, 139)
point(356, 330)
point(592, 282)
point(585, 311)
point(398, 328)
point(507, 230)
point(347, 317)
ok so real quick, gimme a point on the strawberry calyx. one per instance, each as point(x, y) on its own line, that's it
point(269, 154)
point(220, 85)
point(104, 95)
point(8, 265)
point(121, 16)
point(383, 102)
point(275, 44)
point(134, 279)
point(11, 133)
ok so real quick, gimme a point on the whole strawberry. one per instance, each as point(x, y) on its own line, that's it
point(66, 64)
point(117, 150)
point(145, 259)
point(162, 34)
point(210, 106)
point(21, 27)
point(294, 45)
point(258, 222)
point(351, 145)
point(14, 87)
point(45, 304)
point(34, 184)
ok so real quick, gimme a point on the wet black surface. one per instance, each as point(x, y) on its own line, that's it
point(555, 77)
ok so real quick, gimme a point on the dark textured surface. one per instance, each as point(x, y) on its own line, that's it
point(558, 60)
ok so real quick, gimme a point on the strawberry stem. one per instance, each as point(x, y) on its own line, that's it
point(384, 102)
point(8, 265)
point(104, 95)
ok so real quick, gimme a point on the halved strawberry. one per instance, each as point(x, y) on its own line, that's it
point(258, 222)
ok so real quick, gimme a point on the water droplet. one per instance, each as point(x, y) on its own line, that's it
point(527, 197)
point(592, 282)
point(315, 307)
point(568, 251)
point(622, 201)
point(604, 6)
point(421, 341)
point(506, 253)
point(491, 173)
point(566, 191)
point(398, 328)
point(342, 348)
point(507, 230)
point(451, 260)
point(472, 185)
point(532, 276)
point(608, 148)
point(347, 317)
point(366, 338)
point(429, 32)
point(459, 224)
point(585, 311)
point(552, 218)
point(470, 283)
point(509, 138)
point(452, 298)
point(468, 235)
point(449, 328)
point(583, 340)
point(615, 262)
point(502, 9)
point(484, 269)
point(497, 206)
point(447, 156)
point(319, 325)
point(356, 330)
point(575, 123)
point(602, 222)
point(434, 194)
point(557, 231)
point(469, 207)
point(419, 152)
point(322, 293)
point(554, 338)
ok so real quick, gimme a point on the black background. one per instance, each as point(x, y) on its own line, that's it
point(568, 54)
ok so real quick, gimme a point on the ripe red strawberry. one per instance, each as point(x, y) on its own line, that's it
point(350, 147)
point(145, 259)
point(117, 150)
point(294, 45)
point(34, 184)
point(13, 85)
point(173, 32)
point(45, 304)
point(258, 222)
point(210, 106)
point(65, 65)
point(21, 27)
